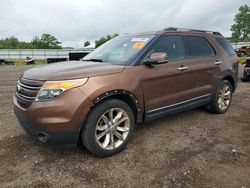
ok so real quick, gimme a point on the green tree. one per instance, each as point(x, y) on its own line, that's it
point(102, 40)
point(241, 28)
point(25, 45)
point(10, 43)
point(35, 42)
point(47, 41)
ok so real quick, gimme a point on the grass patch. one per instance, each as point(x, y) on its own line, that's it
point(23, 62)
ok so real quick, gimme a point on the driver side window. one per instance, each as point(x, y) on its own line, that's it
point(172, 45)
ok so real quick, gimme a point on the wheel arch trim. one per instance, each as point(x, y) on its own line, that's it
point(123, 95)
point(230, 76)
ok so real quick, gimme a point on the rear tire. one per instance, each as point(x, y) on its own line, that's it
point(244, 79)
point(108, 128)
point(222, 98)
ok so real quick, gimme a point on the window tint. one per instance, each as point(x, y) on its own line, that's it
point(172, 45)
point(226, 46)
point(199, 47)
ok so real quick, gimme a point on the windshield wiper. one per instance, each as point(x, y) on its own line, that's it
point(95, 60)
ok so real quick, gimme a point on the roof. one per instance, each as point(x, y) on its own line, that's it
point(174, 29)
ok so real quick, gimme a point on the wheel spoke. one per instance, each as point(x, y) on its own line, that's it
point(106, 141)
point(220, 102)
point(122, 129)
point(111, 114)
point(227, 93)
point(222, 105)
point(99, 136)
point(224, 102)
point(101, 127)
point(105, 119)
point(121, 121)
point(112, 140)
point(118, 135)
point(224, 89)
point(117, 117)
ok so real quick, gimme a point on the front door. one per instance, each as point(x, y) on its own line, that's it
point(174, 82)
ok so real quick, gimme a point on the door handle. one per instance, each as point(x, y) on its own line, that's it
point(217, 62)
point(183, 68)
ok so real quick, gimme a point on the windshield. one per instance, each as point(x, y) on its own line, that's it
point(118, 50)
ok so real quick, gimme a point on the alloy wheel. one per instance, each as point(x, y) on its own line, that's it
point(224, 97)
point(112, 128)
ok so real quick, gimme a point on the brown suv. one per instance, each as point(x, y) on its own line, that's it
point(131, 79)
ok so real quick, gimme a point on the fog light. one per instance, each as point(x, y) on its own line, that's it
point(42, 137)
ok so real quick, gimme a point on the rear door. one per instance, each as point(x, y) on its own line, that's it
point(203, 58)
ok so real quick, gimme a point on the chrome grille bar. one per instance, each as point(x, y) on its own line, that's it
point(25, 97)
point(27, 86)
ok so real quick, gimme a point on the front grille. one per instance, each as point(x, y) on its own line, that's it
point(27, 90)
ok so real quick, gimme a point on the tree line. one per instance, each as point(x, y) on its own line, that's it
point(46, 41)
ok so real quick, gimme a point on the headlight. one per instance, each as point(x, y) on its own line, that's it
point(52, 89)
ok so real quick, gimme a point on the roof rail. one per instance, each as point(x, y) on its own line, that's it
point(194, 30)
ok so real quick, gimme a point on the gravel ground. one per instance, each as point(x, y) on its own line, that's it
point(191, 149)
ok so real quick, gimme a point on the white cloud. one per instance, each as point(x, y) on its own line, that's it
point(75, 21)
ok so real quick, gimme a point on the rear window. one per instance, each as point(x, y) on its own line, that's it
point(226, 46)
point(198, 47)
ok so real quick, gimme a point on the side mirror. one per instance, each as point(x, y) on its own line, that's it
point(157, 58)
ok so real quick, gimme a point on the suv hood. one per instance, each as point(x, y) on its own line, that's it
point(71, 70)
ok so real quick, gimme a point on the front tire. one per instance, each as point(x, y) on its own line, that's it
point(108, 128)
point(222, 98)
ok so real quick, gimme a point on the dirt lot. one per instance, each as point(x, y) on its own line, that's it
point(191, 149)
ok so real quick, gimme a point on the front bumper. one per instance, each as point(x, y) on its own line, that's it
point(55, 122)
point(69, 138)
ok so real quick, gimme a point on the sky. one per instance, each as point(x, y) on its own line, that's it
point(74, 21)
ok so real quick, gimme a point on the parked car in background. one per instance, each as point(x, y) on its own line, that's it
point(245, 50)
point(129, 80)
point(6, 62)
point(242, 57)
point(29, 61)
point(246, 72)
